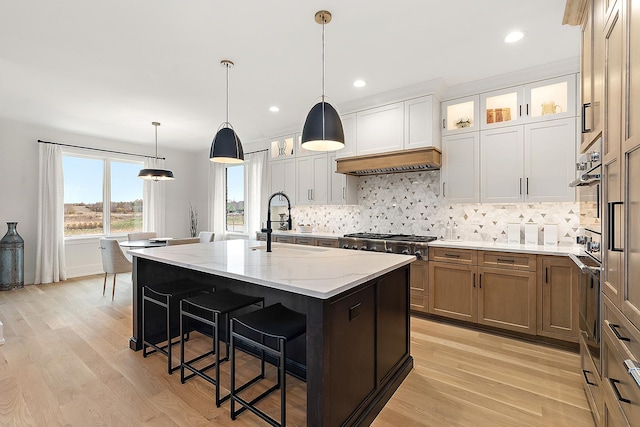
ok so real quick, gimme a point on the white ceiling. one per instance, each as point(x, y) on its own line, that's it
point(110, 68)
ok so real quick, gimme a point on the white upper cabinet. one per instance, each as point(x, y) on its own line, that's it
point(550, 158)
point(421, 122)
point(283, 178)
point(380, 129)
point(312, 182)
point(343, 189)
point(460, 173)
point(350, 136)
point(535, 102)
point(460, 115)
point(502, 165)
point(281, 147)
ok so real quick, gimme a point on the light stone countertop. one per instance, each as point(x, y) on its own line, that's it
point(306, 270)
point(296, 233)
point(505, 247)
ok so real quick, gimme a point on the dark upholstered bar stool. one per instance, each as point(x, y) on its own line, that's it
point(208, 309)
point(166, 295)
point(275, 322)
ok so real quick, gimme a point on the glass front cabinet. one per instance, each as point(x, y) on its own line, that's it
point(535, 102)
point(460, 115)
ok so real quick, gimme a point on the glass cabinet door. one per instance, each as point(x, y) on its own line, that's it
point(501, 107)
point(460, 115)
point(551, 99)
point(281, 148)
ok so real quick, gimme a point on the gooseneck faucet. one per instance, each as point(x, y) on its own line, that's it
point(268, 230)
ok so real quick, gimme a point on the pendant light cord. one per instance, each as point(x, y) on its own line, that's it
point(227, 67)
point(156, 126)
point(323, 71)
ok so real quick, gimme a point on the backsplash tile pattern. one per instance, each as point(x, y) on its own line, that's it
point(410, 203)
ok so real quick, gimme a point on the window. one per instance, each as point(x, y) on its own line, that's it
point(101, 196)
point(235, 199)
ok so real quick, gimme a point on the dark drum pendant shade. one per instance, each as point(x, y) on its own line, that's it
point(322, 130)
point(226, 147)
point(156, 174)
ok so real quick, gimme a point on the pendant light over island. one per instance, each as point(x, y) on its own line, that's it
point(226, 146)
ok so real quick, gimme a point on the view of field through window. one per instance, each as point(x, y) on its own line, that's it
point(235, 198)
point(84, 212)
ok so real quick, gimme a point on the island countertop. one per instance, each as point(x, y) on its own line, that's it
point(312, 271)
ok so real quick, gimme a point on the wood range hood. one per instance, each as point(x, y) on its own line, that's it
point(417, 159)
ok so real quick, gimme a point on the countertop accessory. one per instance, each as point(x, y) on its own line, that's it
point(322, 129)
point(156, 174)
point(305, 228)
point(531, 234)
point(550, 235)
point(513, 234)
point(226, 146)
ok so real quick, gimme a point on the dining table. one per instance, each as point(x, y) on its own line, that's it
point(146, 243)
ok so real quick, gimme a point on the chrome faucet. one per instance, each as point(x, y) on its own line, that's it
point(268, 230)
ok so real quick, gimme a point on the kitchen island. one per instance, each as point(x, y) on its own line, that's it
point(356, 351)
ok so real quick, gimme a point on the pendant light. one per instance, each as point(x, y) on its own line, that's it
point(156, 174)
point(322, 130)
point(226, 146)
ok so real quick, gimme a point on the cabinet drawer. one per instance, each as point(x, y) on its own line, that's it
point(620, 388)
point(283, 239)
point(327, 243)
point(458, 256)
point(309, 241)
point(510, 260)
point(623, 333)
point(591, 381)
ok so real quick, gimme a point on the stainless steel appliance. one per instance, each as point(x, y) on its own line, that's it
point(407, 244)
point(589, 195)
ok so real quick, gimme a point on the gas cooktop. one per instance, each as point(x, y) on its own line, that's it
point(394, 237)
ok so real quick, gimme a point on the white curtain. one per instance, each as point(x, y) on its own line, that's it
point(153, 200)
point(255, 187)
point(216, 202)
point(50, 259)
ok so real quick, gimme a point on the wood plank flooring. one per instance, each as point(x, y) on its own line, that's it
point(66, 362)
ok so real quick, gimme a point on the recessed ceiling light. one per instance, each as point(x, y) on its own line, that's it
point(513, 36)
point(359, 83)
point(274, 109)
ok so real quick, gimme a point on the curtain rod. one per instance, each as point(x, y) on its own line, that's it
point(257, 151)
point(99, 149)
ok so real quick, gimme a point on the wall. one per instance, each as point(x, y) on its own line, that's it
point(410, 203)
point(19, 189)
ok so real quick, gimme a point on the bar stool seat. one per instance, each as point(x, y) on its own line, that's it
point(277, 322)
point(207, 309)
point(166, 295)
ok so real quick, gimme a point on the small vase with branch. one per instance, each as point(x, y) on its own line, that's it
point(193, 220)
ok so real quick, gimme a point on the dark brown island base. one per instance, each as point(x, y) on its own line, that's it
point(356, 350)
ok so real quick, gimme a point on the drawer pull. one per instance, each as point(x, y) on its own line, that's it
point(510, 261)
point(354, 312)
point(452, 255)
point(634, 370)
point(474, 280)
point(616, 391)
point(584, 373)
point(614, 328)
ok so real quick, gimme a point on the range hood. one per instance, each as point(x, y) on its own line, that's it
point(417, 159)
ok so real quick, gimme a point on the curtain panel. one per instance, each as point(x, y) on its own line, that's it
point(255, 189)
point(153, 200)
point(217, 200)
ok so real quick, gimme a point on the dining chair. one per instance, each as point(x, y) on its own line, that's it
point(144, 235)
point(113, 262)
point(185, 241)
point(206, 236)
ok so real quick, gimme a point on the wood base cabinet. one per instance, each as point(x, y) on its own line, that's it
point(419, 290)
point(452, 291)
point(558, 298)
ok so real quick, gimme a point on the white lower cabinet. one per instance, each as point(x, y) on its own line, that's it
point(461, 168)
point(283, 178)
point(528, 163)
point(312, 182)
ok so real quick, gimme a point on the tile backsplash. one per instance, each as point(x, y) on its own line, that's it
point(410, 203)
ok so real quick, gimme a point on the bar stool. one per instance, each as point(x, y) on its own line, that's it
point(167, 295)
point(275, 321)
point(207, 309)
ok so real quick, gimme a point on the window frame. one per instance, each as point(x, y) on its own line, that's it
point(244, 231)
point(106, 188)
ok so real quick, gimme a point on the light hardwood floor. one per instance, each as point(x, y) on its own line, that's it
point(66, 361)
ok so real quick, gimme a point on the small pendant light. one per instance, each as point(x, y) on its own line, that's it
point(156, 174)
point(226, 146)
point(322, 130)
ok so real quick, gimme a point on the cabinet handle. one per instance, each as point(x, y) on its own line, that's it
point(520, 111)
point(584, 117)
point(444, 194)
point(546, 274)
point(527, 109)
point(616, 391)
point(612, 227)
point(520, 186)
point(444, 125)
point(634, 370)
point(311, 192)
point(511, 261)
point(614, 329)
point(527, 186)
point(344, 192)
point(452, 255)
point(586, 379)
point(480, 280)
point(474, 280)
